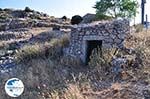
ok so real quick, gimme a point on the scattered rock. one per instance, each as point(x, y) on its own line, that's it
point(117, 65)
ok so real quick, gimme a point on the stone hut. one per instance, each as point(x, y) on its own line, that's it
point(106, 34)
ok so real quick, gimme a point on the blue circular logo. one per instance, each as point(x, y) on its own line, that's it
point(14, 87)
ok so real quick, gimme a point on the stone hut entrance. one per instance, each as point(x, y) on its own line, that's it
point(91, 45)
point(105, 34)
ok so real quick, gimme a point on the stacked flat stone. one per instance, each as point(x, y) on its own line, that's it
point(112, 33)
point(8, 35)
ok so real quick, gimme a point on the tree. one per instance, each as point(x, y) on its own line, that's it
point(116, 8)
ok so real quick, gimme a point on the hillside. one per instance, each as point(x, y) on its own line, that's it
point(32, 46)
point(16, 19)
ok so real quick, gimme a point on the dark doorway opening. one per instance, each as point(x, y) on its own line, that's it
point(91, 45)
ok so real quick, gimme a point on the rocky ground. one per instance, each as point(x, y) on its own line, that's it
point(12, 41)
point(20, 27)
point(62, 77)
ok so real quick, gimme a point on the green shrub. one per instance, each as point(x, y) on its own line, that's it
point(76, 19)
point(7, 9)
point(27, 9)
point(64, 18)
point(102, 17)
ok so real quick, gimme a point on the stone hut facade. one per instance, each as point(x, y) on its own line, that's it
point(108, 33)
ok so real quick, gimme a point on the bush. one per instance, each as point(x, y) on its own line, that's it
point(76, 19)
point(1, 9)
point(27, 9)
point(45, 15)
point(64, 18)
point(7, 9)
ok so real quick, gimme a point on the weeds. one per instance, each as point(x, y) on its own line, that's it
point(72, 92)
point(139, 28)
point(70, 61)
point(102, 57)
point(52, 49)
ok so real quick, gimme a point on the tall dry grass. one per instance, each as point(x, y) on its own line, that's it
point(52, 49)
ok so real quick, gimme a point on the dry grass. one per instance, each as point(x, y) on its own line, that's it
point(138, 28)
point(70, 61)
point(72, 92)
point(47, 78)
point(141, 43)
point(102, 57)
point(143, 34)
point(51, 49)
point(46, 72)
point(29, 52)
point(143, 51)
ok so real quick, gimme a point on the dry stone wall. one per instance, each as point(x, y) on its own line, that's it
point(111, 33)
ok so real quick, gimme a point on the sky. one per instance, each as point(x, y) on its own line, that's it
point(59, 8)
point(56, 8)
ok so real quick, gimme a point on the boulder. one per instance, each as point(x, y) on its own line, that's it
point(88, 18)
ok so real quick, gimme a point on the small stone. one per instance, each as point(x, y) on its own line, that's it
point(105, 34)
point(3, 58)
point(107, 45)
point(79, 52)
point(112, 36)
point(87, 32)
point(10, 52)
point(117, 40)
point(109, 40)
point(121, 36)
point(1, 61)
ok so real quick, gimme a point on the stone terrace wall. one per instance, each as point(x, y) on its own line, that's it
point(112, 34)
